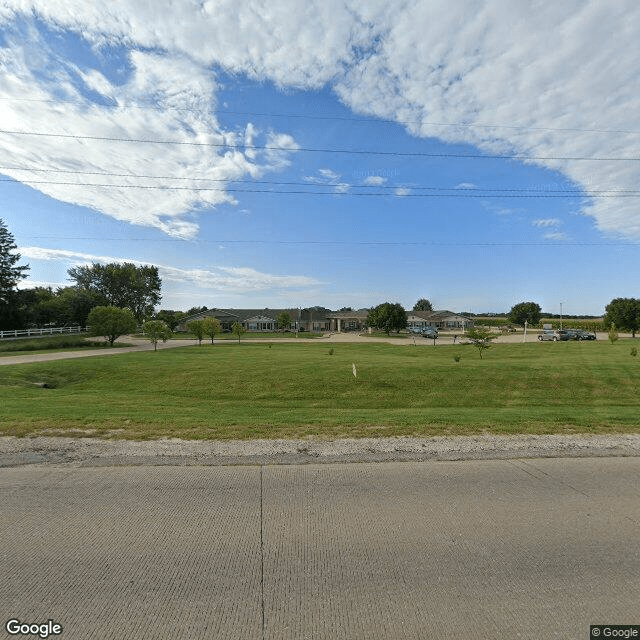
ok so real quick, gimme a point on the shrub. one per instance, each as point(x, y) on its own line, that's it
point(634, 351)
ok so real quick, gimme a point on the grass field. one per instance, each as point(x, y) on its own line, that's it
point(53, 343)
point(300, 390)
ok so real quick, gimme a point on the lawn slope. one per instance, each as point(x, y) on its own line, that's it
point(298, 390)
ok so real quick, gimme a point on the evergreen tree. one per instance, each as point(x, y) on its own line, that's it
point(10, 274)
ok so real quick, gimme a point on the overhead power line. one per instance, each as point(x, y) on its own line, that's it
point(486, 193)
point(309, 183)
point(548, 243)
point(306, 116)
point(238, 147)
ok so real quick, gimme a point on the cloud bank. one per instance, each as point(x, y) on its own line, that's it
point(550, 81)
point(222, 279)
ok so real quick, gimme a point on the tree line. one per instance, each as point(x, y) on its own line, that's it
point(136, 289)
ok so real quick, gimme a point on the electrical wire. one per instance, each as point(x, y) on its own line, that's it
point(424, 123)
point(373, 152)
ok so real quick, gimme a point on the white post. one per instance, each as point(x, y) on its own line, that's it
point(524, 339)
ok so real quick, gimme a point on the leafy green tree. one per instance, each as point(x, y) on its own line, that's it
point(211, 327)
point(423, 305)
point(529, 312)
point(284, 320)
point(197, 328)
point(194, 310)
point(388, 317)
point(613, 333)
point(624, 313)
point(480, 338)
point(111, 322)
point(156, 330)
point(121, 285)
point(238, 330)
point(171, 318)
point(74, 305)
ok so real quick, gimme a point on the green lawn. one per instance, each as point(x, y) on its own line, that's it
point(53, 343)
point(297, 390)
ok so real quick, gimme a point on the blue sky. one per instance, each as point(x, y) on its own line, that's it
point(478, 154)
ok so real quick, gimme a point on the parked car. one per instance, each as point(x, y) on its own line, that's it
point(585, 335)
point(430, 332)
point(571, 333)
point(554, 334)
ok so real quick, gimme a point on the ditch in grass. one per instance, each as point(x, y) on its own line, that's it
point(299, 390)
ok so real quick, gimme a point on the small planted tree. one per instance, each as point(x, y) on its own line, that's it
point(196, 327)
point(480, 338)
point(111, 322)
point(156, 330)
point(238, 330)
point(613, 333)
point(211, 327)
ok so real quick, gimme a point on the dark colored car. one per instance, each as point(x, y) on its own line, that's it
point(430, 332)
point(584, 335)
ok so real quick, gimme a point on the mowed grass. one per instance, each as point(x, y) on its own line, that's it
point(53, 343)
point(300, 390)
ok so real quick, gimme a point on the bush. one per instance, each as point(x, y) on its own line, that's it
point(634, 351)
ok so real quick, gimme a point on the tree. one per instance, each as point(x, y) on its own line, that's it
point(10, 274)
point(171, 318)
point(197, 328)
point(613, 333)
point(529, 312)
point(423, 305)
point(110, 322)
point(388, 317)
point(284, 320)
point(194, 310)
point(121, 285)
point(156, 330)
point(624, 313)
point(75, 305)
point(480, 338)
point(211, 326)
point(238, 329)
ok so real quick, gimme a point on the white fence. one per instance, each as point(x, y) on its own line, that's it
point(25, 333)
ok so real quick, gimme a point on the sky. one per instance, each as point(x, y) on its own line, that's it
point(294, 153)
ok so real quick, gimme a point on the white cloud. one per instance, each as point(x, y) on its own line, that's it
point(374, 181)
point(555, 235)
point(465, 185)
point(546, 222)
point(182, 93)
point(216, 278)
point(548, 81)
point(329, 178)
point(402, 192)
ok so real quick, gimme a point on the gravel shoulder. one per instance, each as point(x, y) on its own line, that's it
point(46, 450)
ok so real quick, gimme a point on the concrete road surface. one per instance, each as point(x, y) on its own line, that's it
point(537, 548)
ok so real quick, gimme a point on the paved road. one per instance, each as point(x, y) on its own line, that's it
point(499, 549)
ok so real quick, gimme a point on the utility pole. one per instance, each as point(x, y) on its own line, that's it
point(561, 315)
